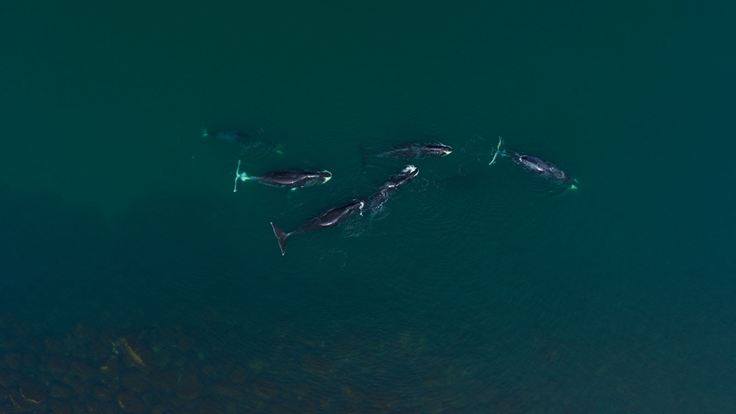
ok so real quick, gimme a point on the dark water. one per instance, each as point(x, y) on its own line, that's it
point(478, 289)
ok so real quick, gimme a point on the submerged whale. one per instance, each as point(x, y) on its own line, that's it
point(249, 142)
point(377, 200)
point(417, 151)
point(288, 178)
point(329, 218)
point(536, 165)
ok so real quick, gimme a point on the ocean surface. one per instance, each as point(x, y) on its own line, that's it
point(132, 278)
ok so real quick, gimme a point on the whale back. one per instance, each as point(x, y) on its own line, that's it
point(539, 166)
point(295, 178)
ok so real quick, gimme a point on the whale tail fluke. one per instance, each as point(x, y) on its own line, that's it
point(240, 175)
point(499, 151)
point(281, 237)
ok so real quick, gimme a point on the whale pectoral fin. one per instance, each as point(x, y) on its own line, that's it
point(573, 185)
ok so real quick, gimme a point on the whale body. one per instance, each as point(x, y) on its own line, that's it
point(379, 198)
point(539, 167)
point(292, 178)
point(251, 143)
point(288, 178)
point(418, 151)
point(329, 218)
point(536, 165)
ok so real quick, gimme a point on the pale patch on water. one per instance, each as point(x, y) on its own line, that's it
point(355, 228)
point(379, 213)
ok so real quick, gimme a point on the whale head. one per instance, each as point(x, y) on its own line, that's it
point(325, 176)
point(410, 171)
point(438, 149)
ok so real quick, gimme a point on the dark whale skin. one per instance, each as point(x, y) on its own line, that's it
point(540, 167)
point(418, 151)
point(379, 198)
point(294, 178)
point(329, 218)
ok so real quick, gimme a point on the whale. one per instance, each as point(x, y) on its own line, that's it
point(231, 136)
point(250, 142)
point(535, 165)
point(539, 166)
point(378, 199)
point(329, 218)
point(417, 151)
point(287, 178)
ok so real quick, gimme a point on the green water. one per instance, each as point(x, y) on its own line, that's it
point(479, 289)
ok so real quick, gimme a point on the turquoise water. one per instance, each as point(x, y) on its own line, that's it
point(479, 289)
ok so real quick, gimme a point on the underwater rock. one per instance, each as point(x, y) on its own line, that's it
point(210, 407)
point(164, 379)
point(164, 358)
point(20, 405)
point(130, 403)
point(229, 391)
point(188, 387)
point(239, 375)
point(60, 391)
point(4, 400)
point(32, 392)
point(100, 351)
point(12, 361)
point(164, 408)
point(110, 371)
point(82, 371)
point(56, 366)
point(54, 346)
point(81, 388)
point(317, 366)
point(266, 390)
point(8, 379)
point(301, 391)
point(132, 354)
point(284, 407)
point(101, 393)
point(184, 343)
point(61, 407)
point(30, 362)
point(134, 382)
point(221, 371)
point(257, 365)
point(352, 395)
point(187, 407)
point(96, 407)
